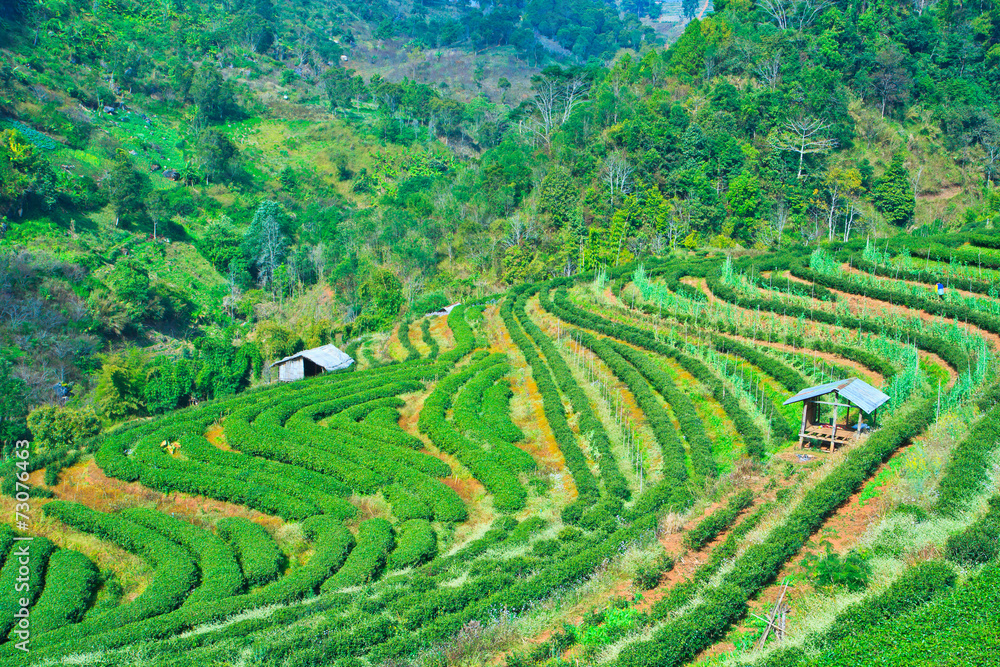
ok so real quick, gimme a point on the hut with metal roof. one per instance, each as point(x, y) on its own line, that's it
point(823, 422)
point(308, 363)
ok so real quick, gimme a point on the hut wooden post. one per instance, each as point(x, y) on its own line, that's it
point(805, 418)
point(833, 434)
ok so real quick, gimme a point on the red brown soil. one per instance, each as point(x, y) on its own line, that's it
point(875, 378)
point(442, 332)
point(542, 447)
point(842, 530)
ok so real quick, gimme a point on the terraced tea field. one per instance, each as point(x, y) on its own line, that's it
point(591, 470)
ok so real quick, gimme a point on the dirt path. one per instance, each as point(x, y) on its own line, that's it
point(843, 530)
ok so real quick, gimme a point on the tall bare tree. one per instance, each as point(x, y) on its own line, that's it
point(616, 172)
point(804, 136)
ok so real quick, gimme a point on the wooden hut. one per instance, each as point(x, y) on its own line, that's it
point(830, 422)
point(312, 362)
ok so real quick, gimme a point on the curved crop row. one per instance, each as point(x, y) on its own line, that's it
point(950, 352)
point(589, 425)
point(465, 340)
point(555, 412)
point(365, 563)
point(683, 407)
point(789, 378)
point(671, 447)
point(71, 581)
point(332, 543)
point(220, 573)
point(470, 415)
point(495, 411)
point(258, 554)
point(403, 334)
point(678, 642)
point(932, 306)
point(710, 527)
point(416, 544)
point(489, 467)
point(752, 435)
point(970, 464)
point(174, 577)
point(429, 340)
point(21, 579)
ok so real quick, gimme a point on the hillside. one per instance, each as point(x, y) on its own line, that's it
point(579, 473)
point(661, 220)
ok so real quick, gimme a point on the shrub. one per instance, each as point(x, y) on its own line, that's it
point(417, 544)
point(257, 552)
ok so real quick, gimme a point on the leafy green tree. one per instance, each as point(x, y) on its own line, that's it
point(119, 390)
point(381, 297)
point(218, 156)
point(893, 195)
point(126, 188)
point(559, 196)
point(264, 241)
point(168, 381)
point(13, 408)
point(342, 87)
point(220, 244)
point(215, 97)
point(60, 428)
point(745, 196)
point(129, 284)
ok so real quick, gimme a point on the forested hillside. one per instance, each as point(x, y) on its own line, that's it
point(655, 224)
point(182, 177)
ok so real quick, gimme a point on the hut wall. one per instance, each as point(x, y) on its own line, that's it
point(291, 370)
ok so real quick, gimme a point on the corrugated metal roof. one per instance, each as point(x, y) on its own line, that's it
point(330, 357)
point(859, 392)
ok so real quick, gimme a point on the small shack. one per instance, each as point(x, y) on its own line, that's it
point(308, 363)
point(830, 422)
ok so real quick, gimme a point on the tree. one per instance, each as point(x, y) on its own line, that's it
point(214, 96)
point(60, 428)
point(13, 408)
point(504, 85)
point(264, 242)
point(689, 8)
point(126, 187)
point(382, 298)
point(841, 186)
point(559, 194)
point(890, 81)
point(220, 244)
point(557, 94)
point(218, 155)
point(119, 390)
point(129, 283)
point(804, 136)
point(342, 87)
point(893, 195)
point(616, 173)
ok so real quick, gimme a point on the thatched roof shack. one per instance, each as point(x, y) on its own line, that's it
point(821, 420)
point(312, 362)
